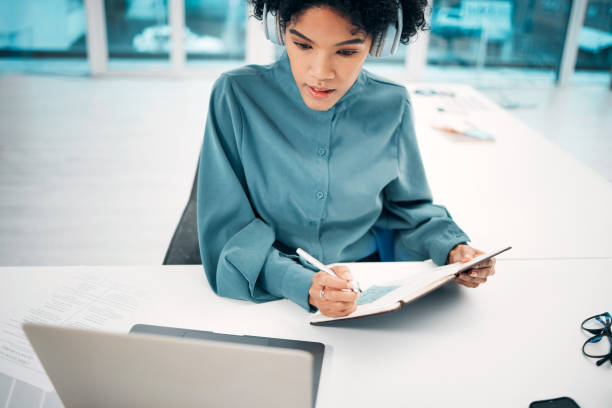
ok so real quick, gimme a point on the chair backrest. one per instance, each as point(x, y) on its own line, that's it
point(388, 249)
point(184, 248)
point(384, 243)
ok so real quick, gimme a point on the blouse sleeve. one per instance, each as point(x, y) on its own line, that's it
point(423, 229)
point(235, 245)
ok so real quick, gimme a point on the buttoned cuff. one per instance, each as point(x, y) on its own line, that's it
point(440, 249)
point(296, 284)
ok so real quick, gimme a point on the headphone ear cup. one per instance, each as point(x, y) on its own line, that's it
point(280, 34)
point(272, 26)
point(385, 44)
point(377, 44)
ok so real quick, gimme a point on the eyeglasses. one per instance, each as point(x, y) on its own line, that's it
point(599, 326)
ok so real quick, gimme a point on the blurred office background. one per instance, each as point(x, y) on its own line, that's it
point(519, 34)
point(103, 103)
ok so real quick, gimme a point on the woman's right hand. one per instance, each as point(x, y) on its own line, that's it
point(326, 292)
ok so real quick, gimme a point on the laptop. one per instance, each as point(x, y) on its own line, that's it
point(97, 369)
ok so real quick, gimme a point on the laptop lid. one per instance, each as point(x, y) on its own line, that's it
point(97, 369)
point(316, 349)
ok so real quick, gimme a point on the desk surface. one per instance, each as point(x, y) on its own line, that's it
point(520, 190)
point(514, 340)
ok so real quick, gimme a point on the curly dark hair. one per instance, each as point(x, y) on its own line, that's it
point(370, 16)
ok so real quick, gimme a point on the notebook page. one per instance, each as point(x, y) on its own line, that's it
point(403, 289)
point(391, 294)
point(392, 282)
point(369, 274)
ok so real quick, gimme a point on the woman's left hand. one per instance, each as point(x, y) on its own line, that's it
point(478, 273)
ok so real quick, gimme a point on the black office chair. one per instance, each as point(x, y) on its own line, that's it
point(184, 248)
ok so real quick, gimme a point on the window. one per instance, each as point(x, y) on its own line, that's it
point(515, 33)
point(137, 29)
point(140, 29)
point(215, 28)
point(595, 42)
point(42, 28)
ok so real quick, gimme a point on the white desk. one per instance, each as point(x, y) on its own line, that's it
point(514, 340)
point(520, 190)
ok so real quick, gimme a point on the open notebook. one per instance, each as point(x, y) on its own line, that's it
point(387, 286)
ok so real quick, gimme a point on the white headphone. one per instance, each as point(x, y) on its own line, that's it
point(383, 45)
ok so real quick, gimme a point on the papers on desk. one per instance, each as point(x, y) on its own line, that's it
point(447, 100)
point(84, 301)
point(453, 112)
point(461, 126)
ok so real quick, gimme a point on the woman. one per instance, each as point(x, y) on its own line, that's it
point(314, 152)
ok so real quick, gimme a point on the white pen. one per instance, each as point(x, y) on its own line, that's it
point(318, 264)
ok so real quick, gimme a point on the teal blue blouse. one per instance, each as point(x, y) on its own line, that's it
point(276, 175)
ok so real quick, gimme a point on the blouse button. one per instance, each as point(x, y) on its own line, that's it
point(322, 151)
point(320, 195)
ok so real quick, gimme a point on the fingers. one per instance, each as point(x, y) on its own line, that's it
point(480, 272)
point(343, 272)
point(489, 263)
point(463, 253)
point(476, 275)
point(337, 309)
point(472, 279)
point(483, 269)
point(469, 281)
point(332, 295)
point(329, 281)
